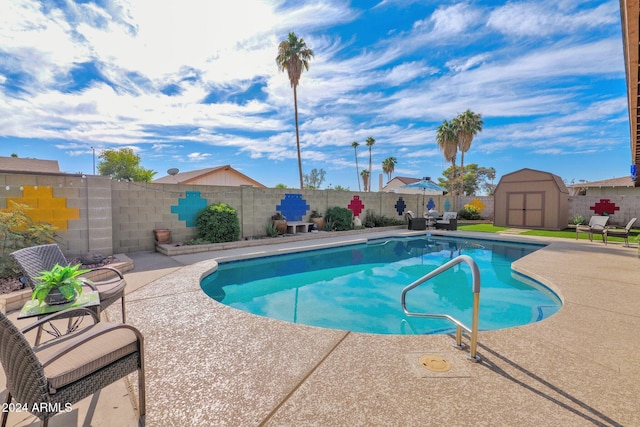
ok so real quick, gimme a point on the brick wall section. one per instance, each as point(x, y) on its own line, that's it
point(119, 217)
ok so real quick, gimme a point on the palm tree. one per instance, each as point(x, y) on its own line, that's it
point(388, 166)
point(446, 138)
point(355, 145)
point(466, 125)
point(293, 56)
point(370, 142)
point(365, 178)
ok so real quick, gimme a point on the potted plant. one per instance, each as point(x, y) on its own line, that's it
point(59, 285)
point(316, 217)
point(280, 222)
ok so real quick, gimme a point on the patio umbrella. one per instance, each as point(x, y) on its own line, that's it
point(427, 186)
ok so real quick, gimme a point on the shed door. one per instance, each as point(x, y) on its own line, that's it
point(525, 209)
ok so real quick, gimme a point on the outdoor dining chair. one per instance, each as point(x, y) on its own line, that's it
point(620, 232)
point(45, 379)
point(597, 225)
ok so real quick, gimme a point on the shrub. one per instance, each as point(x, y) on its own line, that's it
point(18, 231)
point(218, 223)
point(272, 230)
point(371, 219)
point(578, 220)
point(469, 212)
point(338, 219)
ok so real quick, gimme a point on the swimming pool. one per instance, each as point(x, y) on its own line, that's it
point(357, 287)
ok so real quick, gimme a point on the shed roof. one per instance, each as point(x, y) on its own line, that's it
point(514, 177)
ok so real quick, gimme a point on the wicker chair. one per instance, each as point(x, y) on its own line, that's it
point(46, 378)
point(597, 225)
point(619, 232)
point(35, 259)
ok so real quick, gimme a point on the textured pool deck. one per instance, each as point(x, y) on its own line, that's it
point(211, 365)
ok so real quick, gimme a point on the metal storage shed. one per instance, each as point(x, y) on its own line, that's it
point(530, 198)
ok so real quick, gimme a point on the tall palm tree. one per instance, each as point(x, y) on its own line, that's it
point(370, 142)
point(365, 178)
point(293, 56)
point(355, 146)
point(446, 139)
point(466, 126)
point(388, 166)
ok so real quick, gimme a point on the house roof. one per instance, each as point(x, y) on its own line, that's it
point(630, 16)
point(624, 181)
point(19, 164)
point(190, 176)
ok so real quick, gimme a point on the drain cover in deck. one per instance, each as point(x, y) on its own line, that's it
point(435, 363)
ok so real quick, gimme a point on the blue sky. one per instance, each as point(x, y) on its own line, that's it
point(192, 84)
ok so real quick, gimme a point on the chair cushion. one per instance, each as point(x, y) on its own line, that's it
point(88, 357)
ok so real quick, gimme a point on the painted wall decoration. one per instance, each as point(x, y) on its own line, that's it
point(293, 207)
point(400, 206)
point(604, 207)
point(45, 207)
point(430, 204)
point(356, 206)
point(188, 207)
point(447, 205)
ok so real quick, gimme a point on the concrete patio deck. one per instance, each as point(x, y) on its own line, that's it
point(209, 364)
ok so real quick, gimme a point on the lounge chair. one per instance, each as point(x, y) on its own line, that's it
point(36, 259)
point(597, 225)
point(449, 221)
point(415, 223)
point(45, 379)
point(620, 232)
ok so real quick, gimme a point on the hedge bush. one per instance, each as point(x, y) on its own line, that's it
point(218, 223)
point(469, 212)
point(338, 219)
point(372, 219)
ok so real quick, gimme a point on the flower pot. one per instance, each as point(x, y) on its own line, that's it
point(319, 221)
point(162, 236)
point(281, 225)
point(55, 297)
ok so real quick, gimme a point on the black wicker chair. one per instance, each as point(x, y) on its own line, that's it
point(45, 378)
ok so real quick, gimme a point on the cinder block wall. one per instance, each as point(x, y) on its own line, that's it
point(97, 214)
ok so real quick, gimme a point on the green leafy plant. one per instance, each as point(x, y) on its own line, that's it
point(315, 214)
point(578, 220)
point(272, 230)
point(340, 219)
point(18, 231)
point(65, 279)
point(372, 219)
point(218, 223)
point(278, 216)
point(469, 212)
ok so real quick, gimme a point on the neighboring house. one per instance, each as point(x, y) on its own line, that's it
point(608, 187)
point(19, 164)
point(220, 175)
point(397, 183)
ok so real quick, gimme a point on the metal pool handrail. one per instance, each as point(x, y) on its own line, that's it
point(475, 278)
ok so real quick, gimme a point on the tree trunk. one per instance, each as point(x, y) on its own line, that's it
point(295, 105)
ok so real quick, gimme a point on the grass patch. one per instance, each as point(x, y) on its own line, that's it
point(482, 228)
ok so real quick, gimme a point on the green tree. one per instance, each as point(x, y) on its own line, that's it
point(476, 178)
point(466, 126)
point(123, 164)
point(388, 166)
point(281, 186)
point(446, 139)
point(293, 57)
point(355, 146)
point(370, 142)
point(314, 179)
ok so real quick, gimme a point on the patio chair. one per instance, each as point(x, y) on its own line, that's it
point(45, 378)
point(414, 222)
point(620, 232)
point(449, 221)
point(36, 259)
point(597, 225)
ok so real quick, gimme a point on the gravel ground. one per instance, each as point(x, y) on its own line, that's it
point(8, 285)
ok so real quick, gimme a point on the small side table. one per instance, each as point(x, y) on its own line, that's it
point(33, 308)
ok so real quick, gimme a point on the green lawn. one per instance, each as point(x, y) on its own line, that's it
point(568, 233)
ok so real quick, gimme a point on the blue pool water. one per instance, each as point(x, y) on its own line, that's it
point(357, 287)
